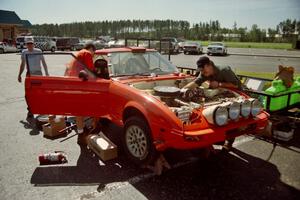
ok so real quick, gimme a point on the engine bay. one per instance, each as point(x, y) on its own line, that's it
point(170, 93)
point(182, 102)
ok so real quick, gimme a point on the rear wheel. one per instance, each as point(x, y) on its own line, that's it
point(137, 141)
point(1, 51)
point(52, 49)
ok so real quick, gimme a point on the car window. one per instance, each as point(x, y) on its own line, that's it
point(58, 65)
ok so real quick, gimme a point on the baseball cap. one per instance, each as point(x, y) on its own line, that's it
point(203, 61)
point(28, 39)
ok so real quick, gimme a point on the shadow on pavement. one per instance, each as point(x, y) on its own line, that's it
point(225, 176)
point(30, 124)
point(234, 175)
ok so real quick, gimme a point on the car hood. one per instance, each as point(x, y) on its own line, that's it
point(133, 79)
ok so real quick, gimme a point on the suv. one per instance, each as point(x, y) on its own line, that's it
point(67, 43)
point(143, 95)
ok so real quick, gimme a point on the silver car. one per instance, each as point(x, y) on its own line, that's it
point(217, 48)
point(7, 48)
point(192, 47)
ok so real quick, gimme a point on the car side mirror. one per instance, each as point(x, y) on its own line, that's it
point(83, 75)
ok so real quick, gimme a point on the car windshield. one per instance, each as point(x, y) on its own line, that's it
point(216, 44)
point(146, 63)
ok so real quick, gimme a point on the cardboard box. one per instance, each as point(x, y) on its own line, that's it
point(55, 124)
point(102, 146)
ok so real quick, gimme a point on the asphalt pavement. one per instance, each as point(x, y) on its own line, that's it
point(248, 60)
point(256, 169)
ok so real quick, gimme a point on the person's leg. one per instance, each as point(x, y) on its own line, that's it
point(29, 113)
point(80, 124)
point(228, 144)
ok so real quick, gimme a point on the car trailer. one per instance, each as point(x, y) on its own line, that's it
point(287, 118)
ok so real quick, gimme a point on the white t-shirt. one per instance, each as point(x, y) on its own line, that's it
point(34, 61)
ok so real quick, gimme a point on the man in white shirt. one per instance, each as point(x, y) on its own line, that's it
point(33, 62)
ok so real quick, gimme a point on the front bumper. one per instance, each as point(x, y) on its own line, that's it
point(206, 137)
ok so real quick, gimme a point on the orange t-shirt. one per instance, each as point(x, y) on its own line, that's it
point(84, 59)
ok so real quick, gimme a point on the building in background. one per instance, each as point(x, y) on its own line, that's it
point(11, 25)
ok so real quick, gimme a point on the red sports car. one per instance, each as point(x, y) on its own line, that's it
point(142, 94)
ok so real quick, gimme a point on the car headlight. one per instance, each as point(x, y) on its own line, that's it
point(234, 110)
point(246, 108)
point(256, 107)
point(221, 116)
point(183, 113)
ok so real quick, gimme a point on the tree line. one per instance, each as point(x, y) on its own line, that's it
point(285, 31)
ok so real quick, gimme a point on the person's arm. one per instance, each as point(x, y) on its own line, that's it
point(22, 67)
point(45, 66)
point(227, 85)
point(191, 85)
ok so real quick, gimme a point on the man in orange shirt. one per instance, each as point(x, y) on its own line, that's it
point(84, 59)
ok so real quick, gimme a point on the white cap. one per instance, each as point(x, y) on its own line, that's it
point(28, 39)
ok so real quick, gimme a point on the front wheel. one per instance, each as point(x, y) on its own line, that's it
point(137, 141)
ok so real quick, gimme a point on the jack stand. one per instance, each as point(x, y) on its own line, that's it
point(159, 165)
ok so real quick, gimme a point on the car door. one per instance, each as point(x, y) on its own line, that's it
point(62, 95)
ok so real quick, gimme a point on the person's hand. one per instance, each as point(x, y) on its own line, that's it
point(213, 84)
point(19, 79)
point(183, 90)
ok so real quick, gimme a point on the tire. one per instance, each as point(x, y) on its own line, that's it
point(184, 52)
point(1, 51)
point(53, 49)
point(137, 141)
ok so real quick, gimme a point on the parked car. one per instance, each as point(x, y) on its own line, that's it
point(217, 48)
point(168, 45)
point(7, 48)
point(180, 43)
point(42, 42)
point(20, 43)
point(142, 95)
point(192, 47)
point(78, 46)
point(116, 43)
point(66, 43)
point(100, 44)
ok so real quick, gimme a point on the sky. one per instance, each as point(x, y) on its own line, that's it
point(264, 13)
